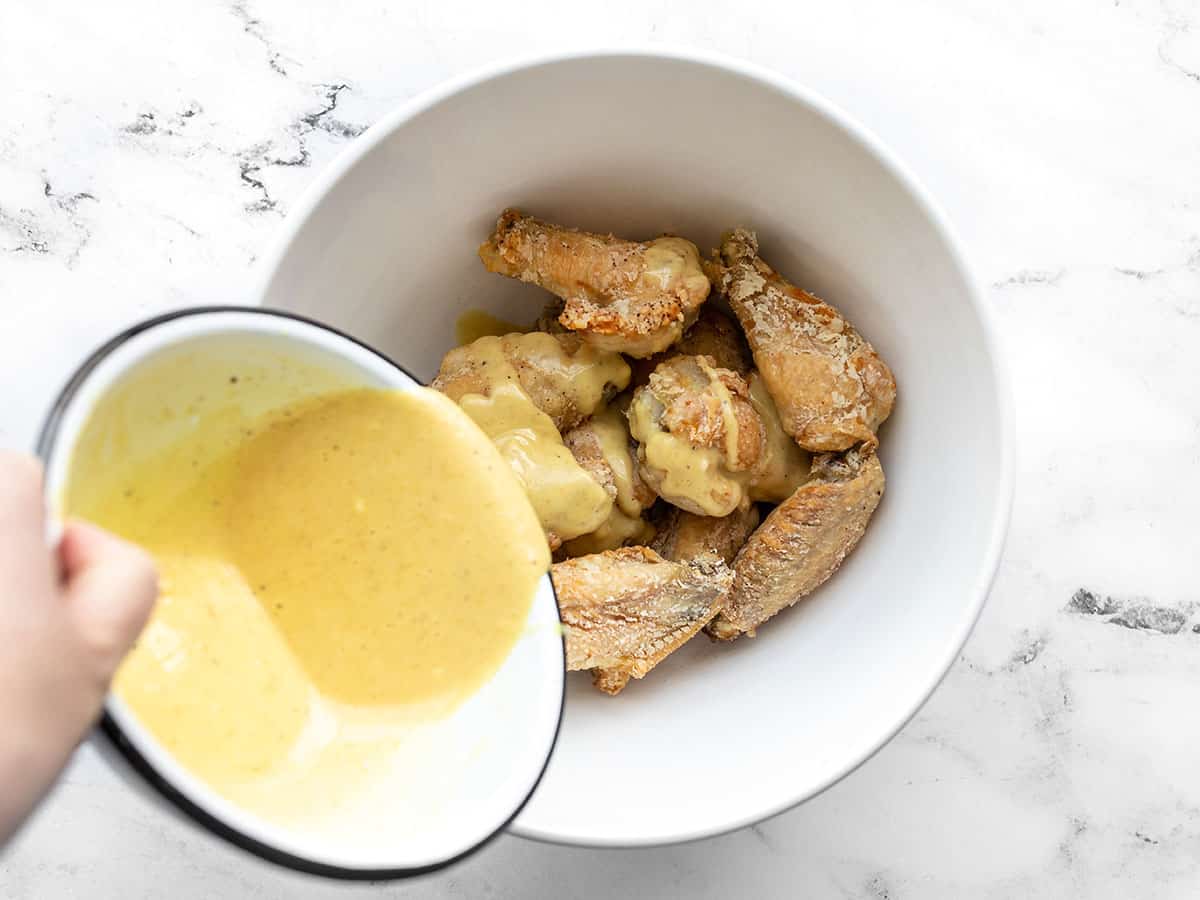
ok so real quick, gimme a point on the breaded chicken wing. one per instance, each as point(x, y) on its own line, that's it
point(682, 535)
point(802, 542)
point(624, 611)
point(567, 500)
point(603, 447)
point(782, 466)
point(832, 389)
point(714, 334)
point(627, 296)
point(564, 377)
point(697, 433)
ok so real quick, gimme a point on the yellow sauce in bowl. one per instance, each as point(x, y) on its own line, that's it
point(334, 569)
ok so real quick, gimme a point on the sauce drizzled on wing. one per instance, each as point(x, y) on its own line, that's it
point(521, 389)
point(651, 474)
point(627, 296)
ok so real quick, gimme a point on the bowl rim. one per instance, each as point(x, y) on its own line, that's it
point(114, 737)
point(270, 262)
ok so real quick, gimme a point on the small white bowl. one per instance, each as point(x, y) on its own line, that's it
point(638, 143)
point(464, 777)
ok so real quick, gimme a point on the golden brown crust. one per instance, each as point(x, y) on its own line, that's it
point(611, 681)
point(626, 296)
point(683, 535)
point(802, 542)
point(703, 404)
point(783, 466)
point(603, 448)
point(832, 389)
point(714, 334)
point(624, 611)
point(565, 378)
point(699, 436)
point(584, 443)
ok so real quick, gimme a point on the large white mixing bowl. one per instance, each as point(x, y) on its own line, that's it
point(383, 246)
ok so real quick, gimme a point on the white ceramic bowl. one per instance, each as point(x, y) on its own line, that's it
point(457, 781)
point(639, 143)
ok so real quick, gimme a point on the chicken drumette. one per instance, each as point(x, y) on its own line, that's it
point(564, 377)
point(709, 441)
point(627, 296)
point(602, 446)
point(832, 389)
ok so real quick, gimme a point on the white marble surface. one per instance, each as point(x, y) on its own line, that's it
point(148, 150)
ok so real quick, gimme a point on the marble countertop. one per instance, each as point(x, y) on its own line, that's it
point(148, 151)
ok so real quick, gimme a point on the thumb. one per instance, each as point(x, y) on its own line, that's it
point(110, 588)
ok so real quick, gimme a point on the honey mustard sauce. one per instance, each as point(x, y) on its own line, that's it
point(333, 570)
point(713, 481)
point(783, 465)
point(674, 262)
point(729, 419)
point(567, 500)
point(612, 431)
point(476, 323)
point(624, 523)
point(694, 478)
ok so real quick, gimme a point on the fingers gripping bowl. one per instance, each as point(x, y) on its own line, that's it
point(721, 736)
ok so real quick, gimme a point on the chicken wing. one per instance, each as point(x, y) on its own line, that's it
point(698, 434)
point(602, 446)
point(713, 334)
point(636, 298)
point(782, 466)
point(802, 542)
point(565, 378)
point(832, 389)
point(624, 611)
point(567, 500)
point(682, 535)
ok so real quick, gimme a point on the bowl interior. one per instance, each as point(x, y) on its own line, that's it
point(717, 736)
point(453, 782)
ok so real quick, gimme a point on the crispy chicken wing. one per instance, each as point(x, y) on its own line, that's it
point(714, 334)
point(802, 542)
point(832, 389)
point(782, 466)
point(564, 377)
point(682, 535)
point(708, 441)
point(697, 434)
point(567, 500)
point(602, 446)
point(624, 611)
point(626, 296)
point(522, 389)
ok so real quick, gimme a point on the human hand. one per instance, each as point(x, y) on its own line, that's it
point(67, 618)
